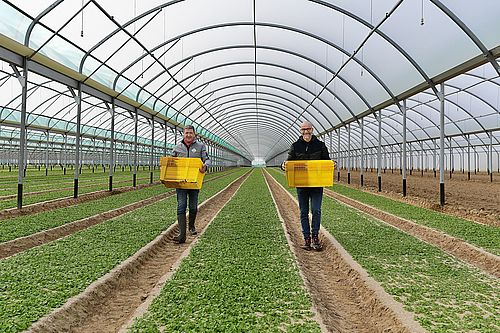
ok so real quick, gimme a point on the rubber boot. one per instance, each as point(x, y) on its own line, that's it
point(181, 237)
point(192, 219)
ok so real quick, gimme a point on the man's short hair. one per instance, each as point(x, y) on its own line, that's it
point(190, 127)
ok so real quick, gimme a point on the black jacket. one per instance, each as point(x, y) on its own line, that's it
point(312, 150)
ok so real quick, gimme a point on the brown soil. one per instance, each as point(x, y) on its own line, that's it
point(110, 302)
point(346, 298)
point(18, 245)
point(488, 262)
point(477, 199)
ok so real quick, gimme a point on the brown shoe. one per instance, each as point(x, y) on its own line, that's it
point(307, 244)
point(316, 244)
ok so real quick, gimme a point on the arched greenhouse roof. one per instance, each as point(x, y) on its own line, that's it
point(247, 73)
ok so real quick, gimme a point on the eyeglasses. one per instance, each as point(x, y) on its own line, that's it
point(308, 129)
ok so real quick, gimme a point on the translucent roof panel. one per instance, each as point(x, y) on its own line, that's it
point(246, 73)
point(405, 28)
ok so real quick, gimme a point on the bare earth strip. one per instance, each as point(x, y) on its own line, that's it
point(486, 261)
point(317, 315)
point(477, 199)
point(18, 245)
point(110, 302)
point(347, 299)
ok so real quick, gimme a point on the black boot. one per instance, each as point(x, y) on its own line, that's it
point(181, 237)
point(192, 218)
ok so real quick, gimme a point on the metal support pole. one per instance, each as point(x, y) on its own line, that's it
point(422, 158)
point(165, 141)
point(490, 159)
point(135, 148)
point(468, 156)
point(47, 155)
point(452, 167)
point(338, 155)
point(78, 100)
point(392, 159)
point(403, 157)
point(23, 79)
point(362, 164)
point(475, 160)
point(112, 145)
point(411, 158)
point(379, 151)
point(152, 150)
point(349, 153)
point(65, 153)
point(331, 144)
point(441, 148)
point(462, 162)
point(434, 165)
point(331, 149)
point(92, 155)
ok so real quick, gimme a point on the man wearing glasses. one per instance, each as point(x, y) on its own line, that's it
point(309, 147)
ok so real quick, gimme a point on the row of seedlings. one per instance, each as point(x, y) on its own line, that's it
point(445, 294)
point(486, 237)
point(9, 187)
point(239, 277)
point(39, 280)
point(23, 226)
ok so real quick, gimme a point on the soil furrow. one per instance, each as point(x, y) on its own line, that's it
point(347, 299)
point(110, 302)
point(464, 251)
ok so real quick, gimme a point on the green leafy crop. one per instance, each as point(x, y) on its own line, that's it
point(240, 276)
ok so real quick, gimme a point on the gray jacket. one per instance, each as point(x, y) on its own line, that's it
point(196, 150)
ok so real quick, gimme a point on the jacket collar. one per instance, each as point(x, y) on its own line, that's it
point(192, 143)
point(313, 138)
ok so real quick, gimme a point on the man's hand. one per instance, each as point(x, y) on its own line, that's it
point(203, 169)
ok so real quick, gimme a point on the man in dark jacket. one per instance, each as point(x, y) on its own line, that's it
point(189, 147)
point(309, 147)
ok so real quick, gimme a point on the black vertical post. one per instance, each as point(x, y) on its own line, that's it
point(77, 142)
point(23, 79)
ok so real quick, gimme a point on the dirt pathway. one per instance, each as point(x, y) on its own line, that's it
point(477, 199)
point(347, 299)
point(110, 302)
point(464, 251)
point(18, 245)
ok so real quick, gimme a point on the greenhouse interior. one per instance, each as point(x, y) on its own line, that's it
point(402, 95)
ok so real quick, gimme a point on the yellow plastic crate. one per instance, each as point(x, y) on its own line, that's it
point(181, 172)
point(309, 173)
